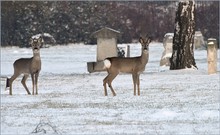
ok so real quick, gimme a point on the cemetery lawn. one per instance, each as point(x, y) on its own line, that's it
point(72, 101)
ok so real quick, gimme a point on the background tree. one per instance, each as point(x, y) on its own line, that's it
point(183, 40)
point(75, 21)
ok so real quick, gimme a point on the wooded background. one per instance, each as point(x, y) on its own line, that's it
point(75, 21)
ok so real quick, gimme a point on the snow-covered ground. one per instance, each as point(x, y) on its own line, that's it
point(72, 101)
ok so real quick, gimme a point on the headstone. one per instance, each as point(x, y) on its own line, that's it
point(106, 43)
point(106, 47)
point(212, 56)
point(167, 53)
point(199, 40)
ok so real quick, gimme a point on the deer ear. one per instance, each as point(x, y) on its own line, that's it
point(141, 40)
point(30, 41)
point(40, 39)
point(149, 40)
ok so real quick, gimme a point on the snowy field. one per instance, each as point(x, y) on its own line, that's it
point(72, 101)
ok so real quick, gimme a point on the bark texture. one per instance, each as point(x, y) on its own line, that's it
point(183, 41)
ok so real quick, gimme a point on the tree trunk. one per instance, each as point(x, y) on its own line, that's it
point(183, 41)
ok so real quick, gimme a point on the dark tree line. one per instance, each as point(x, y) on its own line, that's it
point(75, 21)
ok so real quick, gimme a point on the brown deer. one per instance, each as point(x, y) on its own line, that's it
point(133, 65)
point(28, 66)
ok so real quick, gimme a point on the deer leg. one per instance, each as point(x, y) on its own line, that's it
point(134, 77)
point(104, 84)
point(33, 83)
point(7, 83)
point(138, 84)
point(23, 81)
point(11, 81)
point(111, 78)
point(36, 82)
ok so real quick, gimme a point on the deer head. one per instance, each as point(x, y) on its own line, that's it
point(144, 43)
point(36, 43)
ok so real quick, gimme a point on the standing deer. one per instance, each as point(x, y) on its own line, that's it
point(133, 65)
point(28, 66)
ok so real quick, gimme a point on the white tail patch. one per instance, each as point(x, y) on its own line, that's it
point(107, 63)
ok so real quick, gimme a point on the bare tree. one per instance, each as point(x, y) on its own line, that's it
point(183, 43)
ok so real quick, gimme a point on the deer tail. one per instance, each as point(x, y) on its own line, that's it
point(107, 63)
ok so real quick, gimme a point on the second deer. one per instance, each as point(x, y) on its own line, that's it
point(133, 65)
point(28, 66)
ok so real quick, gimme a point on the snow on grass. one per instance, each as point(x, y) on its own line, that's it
point(72, 101)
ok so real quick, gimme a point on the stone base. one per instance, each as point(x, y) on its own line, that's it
point(95, 66)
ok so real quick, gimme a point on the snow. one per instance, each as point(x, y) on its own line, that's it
point(44, 35)
point(211, 43)
point(167, 55)
point(36, 36)
point(72, 101)
point(170, 35)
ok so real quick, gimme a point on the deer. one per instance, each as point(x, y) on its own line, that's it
point(131, 65)
point(28, 66)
